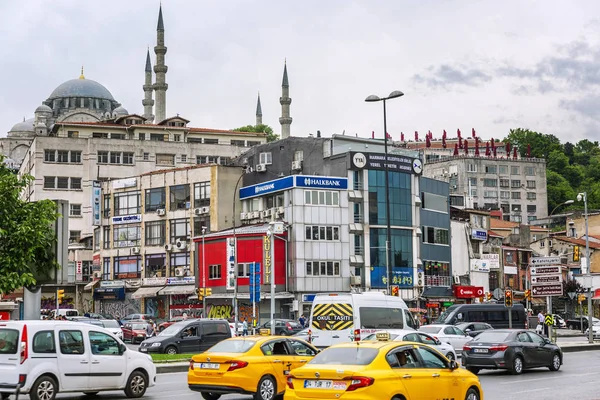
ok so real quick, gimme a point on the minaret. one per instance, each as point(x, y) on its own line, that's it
point(258, 112)
point(148, 103)
point(160, 69)
point(285, 102)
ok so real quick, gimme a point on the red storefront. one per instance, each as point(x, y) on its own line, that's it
point(468, 293)
point(213, 262)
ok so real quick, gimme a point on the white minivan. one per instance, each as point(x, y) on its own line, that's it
point(43, 358)
point(343, 317)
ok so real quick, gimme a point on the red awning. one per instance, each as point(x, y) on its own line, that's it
point(596, 294)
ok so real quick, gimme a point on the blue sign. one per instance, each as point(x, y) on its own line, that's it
point(267, 187)
point(105, 293)
point(401, 276)
point(308, 298)
point(321, 182)
point(254, 282)
point(479, 234)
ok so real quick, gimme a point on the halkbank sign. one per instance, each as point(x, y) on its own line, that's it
point(288, 182)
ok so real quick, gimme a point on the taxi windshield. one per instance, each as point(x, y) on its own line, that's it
point(232, 346)
point(491, 337)
point(345, 356)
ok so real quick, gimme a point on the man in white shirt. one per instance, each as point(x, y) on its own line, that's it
point(540, 327)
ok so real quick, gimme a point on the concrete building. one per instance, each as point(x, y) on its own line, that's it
point(143, 253)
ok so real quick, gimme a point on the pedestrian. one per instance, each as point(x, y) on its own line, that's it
point(302, 321)
point(244, 327)
point(184, 316)
point(150, 329)
point(540, 326)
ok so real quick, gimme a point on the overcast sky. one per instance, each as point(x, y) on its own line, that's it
point(486, 65)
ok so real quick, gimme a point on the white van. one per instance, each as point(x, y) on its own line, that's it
point(64, 312)
point(43, 358)
point(343, 317)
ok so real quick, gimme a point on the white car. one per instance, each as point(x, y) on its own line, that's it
point(113, 326)
point(595, 330)
point(404, 335)
point(43, 358)
point(449, 334)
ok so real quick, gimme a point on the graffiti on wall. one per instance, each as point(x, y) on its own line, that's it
point(49, 303)
point(156, 307)
point(119, 309)
point(227, 311)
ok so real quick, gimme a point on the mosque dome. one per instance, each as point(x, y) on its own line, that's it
point(25, 126)
point(43, 108)
point(81, 88)
point(121, 111)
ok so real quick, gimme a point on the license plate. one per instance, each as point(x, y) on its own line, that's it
point(480, 350)
point(143, 350)
point(206, 365)
point(324, 384)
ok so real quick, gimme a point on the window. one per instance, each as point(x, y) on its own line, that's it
point(244, 270)
point(179, 229)
point(530, 185)
point(156, 266)
point(103, 344)
point(471, 168)
point(530, 171)
point(515, 184)
point(76, 157)
point(62, 156)
point(473, 181)
point(265, 158)
point(103, 157)
point(253, 143)
point(157, 137)
point(490, 194)
point(179, 197)
point(183, 158)
point(106, 206)
point(141, 136)
point(128, 158)
point(487, 182)
point(491, 169)
point(516, 208)
point(531, 195)
point(515, 195)
point(517, 218)
point(434, 202)
point(301, 349)
point(202, 194)
point(275, 200)
point(100, 135)
point(531, 218)
point(239, 143)
point(117, 136)
point(531, 208)
point(211, 141)
point(165, 159)
point(180, 260)
point(74, 210)
point(177, 138)
point(106, 268)
point(214, 271)
point(434, 235)
point(515, 170)
point(322, 268)
point(49, 182)
point(126, 235)
point(128, 267)
point(73, 134)
point(127, 203)
point(43, 342)
point(115, 157)
point(321, 198)
point(50, 155)
point(381, 318)
point(504, 195)
point(155, 199)
point(62, 182)
point(97, 239)
point(106, 237)
point(503, 169)
point(504, 183)
point(431, 359)
point(146, 156)
point(328, 233)
point(71, 342)
point(155, 233)
point(199, 222)
point(75, 183)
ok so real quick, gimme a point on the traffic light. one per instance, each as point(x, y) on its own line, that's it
point(200, 293)
point(580, 298)
point(60, 295)
point(208, 291)
point(395, 291)
point(576, 253)
point(489, 295)
point(528, 294)
point(508, 298)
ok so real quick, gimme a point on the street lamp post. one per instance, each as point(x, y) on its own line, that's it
point(235, 280)
point(583, 197)
point(204, 313)
point(388, 243)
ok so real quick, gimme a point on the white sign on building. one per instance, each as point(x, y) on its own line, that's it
point(492, 260)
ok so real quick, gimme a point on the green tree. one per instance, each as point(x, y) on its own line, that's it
point(26, 236)
point(559, 189)
point(584, 150)
point(557, 161)
point(541, 144)
point(262, 128)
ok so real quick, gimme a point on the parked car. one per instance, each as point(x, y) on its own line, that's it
point(405, 335)
point(595, 330)
point(113, 326)
point(45, 358)
point(494, 314)
point(164, 325)
point(511, 349)
point(98, 316)
point(135, 331)
point(190, 336)
point(575, 323)
point(284, 327)
point(137, 317)
point(559, 321)
point(473, 328)
point(449, 334)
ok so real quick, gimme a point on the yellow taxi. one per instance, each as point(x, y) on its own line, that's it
point(255, 365)
point(382, 370)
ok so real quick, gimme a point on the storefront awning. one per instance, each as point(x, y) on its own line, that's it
point(177, 289)
point(91, 285)
point(246, 296)
point(536, 301)
point(437, 291)
point(146, 292)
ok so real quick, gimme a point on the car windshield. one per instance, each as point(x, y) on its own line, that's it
point(430, 329)
point(8, 341)
point(373, 337)
point(232, 346)
point(491, 337)
point(345, 356)
point(446, 315)
point(138, 326)
point(171, 331)
point(111, 324)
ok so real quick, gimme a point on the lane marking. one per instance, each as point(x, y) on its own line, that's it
point(543, 379)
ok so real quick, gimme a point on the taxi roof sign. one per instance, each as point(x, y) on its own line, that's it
point(264, 332)
point(382, 336)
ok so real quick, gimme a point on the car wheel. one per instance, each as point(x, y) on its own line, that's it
point(473, 370)
point(171, 350)
point(44, 388)
point(210, 396)
point(555, 366)
point(136, 385)
point(91, 394)
point(267, 389)
point(450, 356)
point(517, 366)
point(472, 394)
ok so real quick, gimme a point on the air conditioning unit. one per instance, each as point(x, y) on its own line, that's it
point(197, 211)
point(243, 215)
point(261, 168)
point(254, 214)
point(355, 280)
point(296, 165)
point(168, 247)
point(181, 245)
point(454, 187)
point(456, 279)
point(268, 212)
point(180, 271)
point(420, 279)
point(205, 210)
point(161, 212)
point(136, 250)
point(264, 214)
point(280, 210)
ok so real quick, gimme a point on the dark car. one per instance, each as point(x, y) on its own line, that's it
point(474, 328)
point(135, 331)
point(284, 327)
point(494, 314)
point(575, 323)
point(510, 349)
point(189, 336)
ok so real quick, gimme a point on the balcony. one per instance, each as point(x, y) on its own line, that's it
point(358, 218)
point(438, 280)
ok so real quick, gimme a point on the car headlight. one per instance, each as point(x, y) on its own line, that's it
point(157, 344)
point(140, 335)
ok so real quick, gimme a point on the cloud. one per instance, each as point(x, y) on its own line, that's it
point(446, 76)
point(586, 106)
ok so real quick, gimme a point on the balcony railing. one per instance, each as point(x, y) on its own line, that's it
point(359, 250)
point(358, 218)
point(437, 280)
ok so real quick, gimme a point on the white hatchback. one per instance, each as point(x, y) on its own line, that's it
point(43, 358)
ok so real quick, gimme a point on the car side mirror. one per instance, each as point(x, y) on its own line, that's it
point(122, 349)
point(453, 365)
point(547, 341)
point(438, 342)
point(467, 330)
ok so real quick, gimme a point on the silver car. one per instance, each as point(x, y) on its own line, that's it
point(405, 335)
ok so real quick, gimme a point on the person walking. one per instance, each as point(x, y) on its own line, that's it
point(150, 329)
point(540, 326)
point(244, 327)
point(302, 321)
